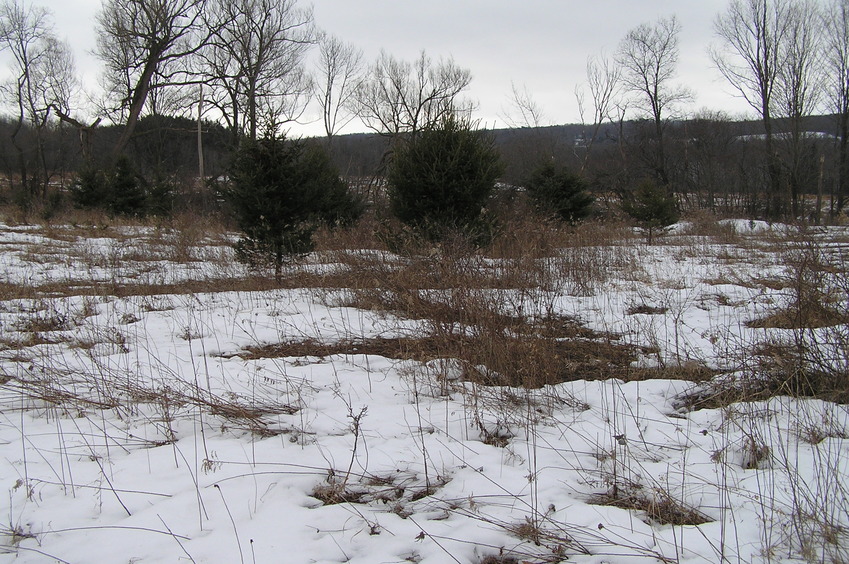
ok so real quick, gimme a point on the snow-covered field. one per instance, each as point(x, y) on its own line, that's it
point(159, 427)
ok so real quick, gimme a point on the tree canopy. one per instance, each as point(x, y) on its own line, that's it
point(280, 191)
point(440, 179)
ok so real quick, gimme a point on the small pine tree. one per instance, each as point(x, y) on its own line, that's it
point(117, 188)
point(652, 207)
point(91, 188)
point(280, 191)
point(160, 196)
point(126, 190)
point(334, 204)
point(440, 180)
point(559, 192)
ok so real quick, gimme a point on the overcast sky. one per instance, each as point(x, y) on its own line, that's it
point(542, 45)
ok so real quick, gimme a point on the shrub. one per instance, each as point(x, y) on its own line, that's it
point(335, 205)
point(91, 188)
point(441, 179)
point(559, 192)
point(118, 189)
point(161, 195)
point(652, 207)
point(280, 191)
point(127, 191)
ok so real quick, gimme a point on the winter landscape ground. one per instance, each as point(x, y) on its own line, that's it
point(585, 399)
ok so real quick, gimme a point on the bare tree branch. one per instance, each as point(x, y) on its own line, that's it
point(604, 83)
point(340, 69)
point(398, 96)
point(254, 63)
point(648, 58)
point(43, 78)
point(524, 110)
point(144, 45)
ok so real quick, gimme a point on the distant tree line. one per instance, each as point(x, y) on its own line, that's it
point(715, 163)
point(186, 84)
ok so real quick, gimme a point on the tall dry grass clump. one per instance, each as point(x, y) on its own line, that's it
point(804, 350)
point(494, 307)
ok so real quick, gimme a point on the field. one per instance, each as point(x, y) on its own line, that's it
point(573, 396)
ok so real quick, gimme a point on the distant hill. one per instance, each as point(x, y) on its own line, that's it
point(360, 154)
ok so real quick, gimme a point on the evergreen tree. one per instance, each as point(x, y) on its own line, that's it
point(652, 207)
point(91, 188)
point(118, 188)
point(560, 192)
point(161, 195)
point(441, 178)
point(126, 190)
point(280, 191)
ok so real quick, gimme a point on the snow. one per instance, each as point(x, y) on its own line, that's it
point(136, 430)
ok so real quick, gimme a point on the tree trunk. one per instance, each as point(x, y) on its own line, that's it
point(843, 160)
point(774, 207)
point(819, 190)
point(84, 131)
point(139, 98)
point(22, 162)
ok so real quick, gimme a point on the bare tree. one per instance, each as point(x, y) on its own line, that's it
point(604, 83)
point(751, 58)
point(524, 111)
point(648, 57)
point(709, 159)
point(799, 89)
point(144, 45)
point(255, 62)
point(340, 68)
point(535, 146)
point(42, 78)
point(800, 76)
point(173, 100)
point(836, 59)
point(398, 96)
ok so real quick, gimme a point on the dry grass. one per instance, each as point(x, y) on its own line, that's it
point(531, 361)
point(492, 310)
point(802, 345)
point(657, 506)
point(491, 307)
point(809, 356)
point(396, 491)
point(499, 560)
point(702, 223)
point(646, 310)
point(75, 392)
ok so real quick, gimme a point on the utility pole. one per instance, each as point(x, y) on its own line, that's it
point(200, 137)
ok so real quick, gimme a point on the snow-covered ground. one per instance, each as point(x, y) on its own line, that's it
point(137, 429)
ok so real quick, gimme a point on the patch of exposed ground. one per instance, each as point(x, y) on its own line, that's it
point(512, 361)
